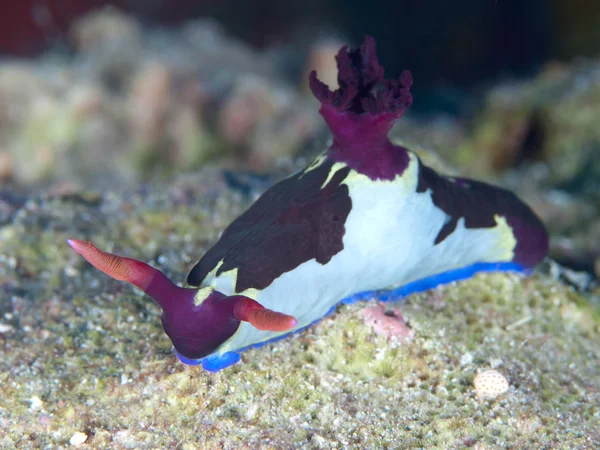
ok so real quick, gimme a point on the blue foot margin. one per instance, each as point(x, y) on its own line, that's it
point(216, 363)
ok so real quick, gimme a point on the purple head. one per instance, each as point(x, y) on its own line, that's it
point(361, 112)
point(197, 321)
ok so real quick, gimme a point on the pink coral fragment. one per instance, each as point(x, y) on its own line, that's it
point(389, 324)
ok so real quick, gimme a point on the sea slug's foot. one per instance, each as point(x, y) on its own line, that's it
point(216, 363)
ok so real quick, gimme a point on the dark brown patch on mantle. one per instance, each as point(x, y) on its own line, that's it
point(477, 203)
point(291, 223)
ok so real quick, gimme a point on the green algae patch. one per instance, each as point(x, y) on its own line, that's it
point(85, 354)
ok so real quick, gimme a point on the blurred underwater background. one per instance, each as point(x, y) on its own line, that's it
point(98, 96)
point(149, 125)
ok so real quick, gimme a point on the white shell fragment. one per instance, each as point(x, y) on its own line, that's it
point(35, 402)
point(78, 438)
point(490, 384)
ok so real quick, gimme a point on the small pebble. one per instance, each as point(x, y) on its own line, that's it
point(465, 359)
point(495, 363)
point(4, 328)
point(78, 438)
point(35, 402)
point(490, 384)
point(71, 271)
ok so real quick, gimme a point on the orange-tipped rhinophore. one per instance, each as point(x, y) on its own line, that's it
point(123, 269)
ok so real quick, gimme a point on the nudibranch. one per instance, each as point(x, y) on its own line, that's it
point(366, 218)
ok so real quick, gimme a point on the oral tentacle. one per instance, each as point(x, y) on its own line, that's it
point(261, 318)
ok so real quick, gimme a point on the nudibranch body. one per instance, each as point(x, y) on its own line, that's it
point(365, 217)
